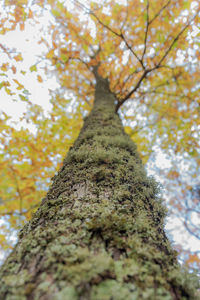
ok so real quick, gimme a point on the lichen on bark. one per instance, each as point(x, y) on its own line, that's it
point(99, 233)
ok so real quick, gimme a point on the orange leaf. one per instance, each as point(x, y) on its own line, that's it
point(30, 13)
point(193, 258)
point(21, 25)
point(14, 69)
point(39, 78)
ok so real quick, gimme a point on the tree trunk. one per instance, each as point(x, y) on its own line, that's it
point(98, 234)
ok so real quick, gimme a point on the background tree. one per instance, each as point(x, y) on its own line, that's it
point(149, 74)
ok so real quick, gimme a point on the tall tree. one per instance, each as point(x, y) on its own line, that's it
point(98, 234)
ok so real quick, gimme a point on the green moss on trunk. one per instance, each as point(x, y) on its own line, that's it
point(98, 234)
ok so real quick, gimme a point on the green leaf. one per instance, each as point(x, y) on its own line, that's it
point(193, 153)
point(117, 8)
point(55, 12)
point(186, 5)
point(175, 45)
point(23, 98)
point(8, 91)
point(166, 18)
point(145, 16)
point(60, 5)
point(85, 47)
point(64, 58)
point(26, 92)
point(58, 65)
point(33, 68)
point(161, 37)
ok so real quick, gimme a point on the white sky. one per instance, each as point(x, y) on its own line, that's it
point(26, 42)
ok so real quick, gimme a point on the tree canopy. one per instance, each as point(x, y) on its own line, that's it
point(148, 50)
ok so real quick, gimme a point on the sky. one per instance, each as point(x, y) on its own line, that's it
point(26, 42)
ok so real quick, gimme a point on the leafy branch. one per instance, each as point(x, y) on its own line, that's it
point(177, 38)
point(17, 188)
point(146, 31)
point(159, 12)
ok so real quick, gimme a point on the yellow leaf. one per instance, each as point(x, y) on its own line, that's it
point(50, 54)
point(8, 91)
point(33, 68)
point(18, 57)
point(20, 86)
point(4, 67)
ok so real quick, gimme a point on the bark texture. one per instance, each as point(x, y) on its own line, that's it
point(98, 234)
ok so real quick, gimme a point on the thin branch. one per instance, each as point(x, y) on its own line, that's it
point(64, 25)
point(168, 95)
point(133, 90)
point(125, 80)
point(120, 35)
point(17, 188)
point(125, 20)
point(190, 230)
point(81, 5)
point(136, 87)
point(8, 52)
point(176, 38)
point(146, 71)
point(10, 213)
point(158, 13)
point(104, 25)
point(132, 51)
point(146, 32)
point(147, 125)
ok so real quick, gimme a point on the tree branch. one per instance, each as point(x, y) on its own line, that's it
point(176, 38)
point(148, 124)
point(125, 19)
point(136, 86)
point(104, 25)
point(120, 35)
point(17, 188)
point(11, 213)
point(159, 12)
point(146, 32)
point(132, 51)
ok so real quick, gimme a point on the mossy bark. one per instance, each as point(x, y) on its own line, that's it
point(98, 234)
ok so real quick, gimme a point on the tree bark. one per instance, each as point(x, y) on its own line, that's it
point(99, 233)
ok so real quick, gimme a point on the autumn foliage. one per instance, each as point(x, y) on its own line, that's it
point(149, 51)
